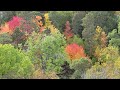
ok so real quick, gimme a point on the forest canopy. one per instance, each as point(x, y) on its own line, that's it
point(59, 44)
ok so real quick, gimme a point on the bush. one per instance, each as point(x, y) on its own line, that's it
point(14, 63)
point(59, 18)
point(80, 67)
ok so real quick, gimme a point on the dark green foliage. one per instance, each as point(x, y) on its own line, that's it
point(105, 19)
point(65, 72)
point(59, 18)
point(114, 37)
point(17, 37)
point(77, 22)
point(5, 38)
point(6, 16)
point(28, 15)
point(76, 39)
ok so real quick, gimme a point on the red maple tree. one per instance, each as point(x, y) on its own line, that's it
point(15, 22)
point(68, 32)
point(75, 51)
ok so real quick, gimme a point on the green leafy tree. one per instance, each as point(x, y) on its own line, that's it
point(76, 39)
point(114, 37)
point(77, 22)
point(14, 63)
point(108, 54)
point(47, 51)
point(105, 19)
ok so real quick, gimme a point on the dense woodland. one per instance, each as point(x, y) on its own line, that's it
point(59, 44)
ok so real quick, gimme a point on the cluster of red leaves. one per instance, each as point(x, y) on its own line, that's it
point(68, 32)
point(10, 26)
point(75, 51)
point(15, 22)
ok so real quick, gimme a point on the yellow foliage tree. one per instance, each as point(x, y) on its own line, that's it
point(101, 41)
point(48, 24)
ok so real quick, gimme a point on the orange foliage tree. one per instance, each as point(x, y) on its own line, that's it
point(45, 24)
point(75, 51)
point(5, 29)
point(68, 32)
point(38, 21)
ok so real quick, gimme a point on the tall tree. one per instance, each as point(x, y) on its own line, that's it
point(68, 32)
point(105, 19)
point(114, 37)
point(77, 22)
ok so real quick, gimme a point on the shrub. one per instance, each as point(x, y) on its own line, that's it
point(14, 63)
